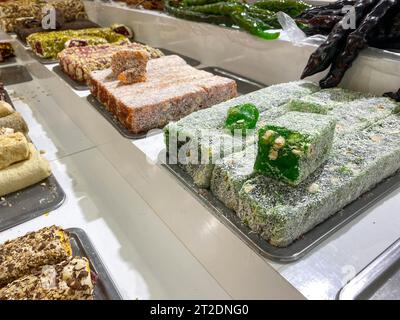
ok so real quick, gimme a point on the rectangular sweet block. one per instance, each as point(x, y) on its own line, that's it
point(171, 91)
point(294, 145)
point(324, 100)
point(231, 173)
point(352, 110)
point(50, 44)
point(358, 161)
point(70, 279)
point(20, 256)
point(269, 101)
point(78, 62)
point(265, 99)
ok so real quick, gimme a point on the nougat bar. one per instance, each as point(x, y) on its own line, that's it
point(294, 145)
point(20, 256)
point(67, 280)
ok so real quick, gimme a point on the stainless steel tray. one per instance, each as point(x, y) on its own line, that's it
point(190, 61)
point(244, 85)
point(40, 59)
point(380, 280)
point(308, 241)
point(115, 122)
point(81, 246)
point(74, 84)
point(31, 202)
point(14, 74)
point(8, 61)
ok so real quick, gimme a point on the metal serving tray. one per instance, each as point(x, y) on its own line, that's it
point(190, 61)
point(31, 202)
point(380, 280)
point(74, 84)
point(81, 246)
point(8, 61)
point(304, 244)
point(14, 75)
point(40, 59)
point(244, 85)
point(115, 122)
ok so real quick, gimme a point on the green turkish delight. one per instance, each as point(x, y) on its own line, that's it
point(204, 129)
point(294, 145)
point(358, 161)
point(324, 100)
point(231, 173)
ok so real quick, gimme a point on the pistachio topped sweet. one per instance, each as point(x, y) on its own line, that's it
point(294, 145)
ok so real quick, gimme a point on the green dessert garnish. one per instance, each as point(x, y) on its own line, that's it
point(242, 117)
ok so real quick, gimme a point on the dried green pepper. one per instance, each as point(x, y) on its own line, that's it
point(291, 7)
point(242, 117)
point(254, 26)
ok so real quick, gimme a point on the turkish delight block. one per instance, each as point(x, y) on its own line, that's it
point(294, 145)
point(324, 100)
point(50, 44)
point(133, 60)
point(281, 213)
point(78, 62)
point(230, 174)
point(352, 110)
point(171, 91)
point(265, 99)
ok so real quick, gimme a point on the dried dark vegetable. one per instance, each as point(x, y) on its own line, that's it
point(377, 25)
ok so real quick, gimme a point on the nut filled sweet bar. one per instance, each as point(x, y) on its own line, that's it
point(78, 62)
point(12, 12)
point(68, 280)
point(28, 27)
point(20, 256)
point(294, 145)
point(172, 90)
point(358, 161)
point(269, 101)
point(49, 44)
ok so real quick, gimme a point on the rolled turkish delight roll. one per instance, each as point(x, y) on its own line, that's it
point(5, 109)
point(294, 145)
point(14, 121)
point(25, 173)
point(13, 148)
point(68, 280)
point(20, 256)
